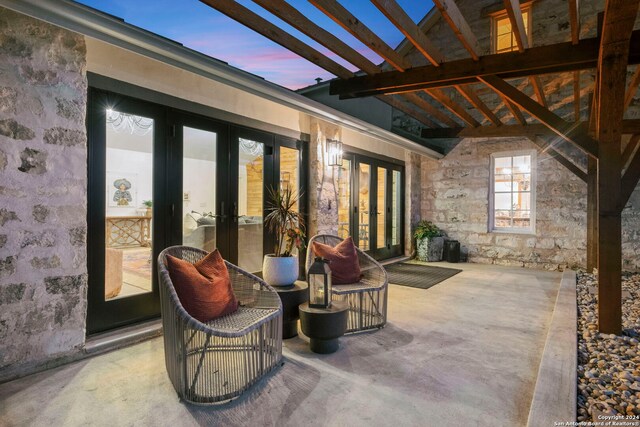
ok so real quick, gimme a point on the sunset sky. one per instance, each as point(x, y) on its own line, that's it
point(206, 30)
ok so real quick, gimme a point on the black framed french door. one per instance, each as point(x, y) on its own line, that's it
point(376, 198)
point(128, 208)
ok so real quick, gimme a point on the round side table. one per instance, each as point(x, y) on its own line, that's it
point(324, 326)
point(291, 297)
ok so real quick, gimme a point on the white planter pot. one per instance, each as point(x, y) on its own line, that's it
point(280, 271)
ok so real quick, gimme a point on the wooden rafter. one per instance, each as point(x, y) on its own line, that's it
point(517, 24)
point(619, 18)
point(350, 23)
point(546, 147)
point(629, 149)
point(576, 96)
point(563, 128)
point(556, 58)
point(633, 88)
point(629, 127)
point(426, 106)
point(630, 179)
point(574, 19)
point(538, 89)
point(475, 100)
point(450, 12)
point(394, 12)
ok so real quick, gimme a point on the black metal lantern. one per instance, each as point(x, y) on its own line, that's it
point(319, 278)
point(334, 152)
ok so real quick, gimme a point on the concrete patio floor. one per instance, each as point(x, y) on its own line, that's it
point(465, 352)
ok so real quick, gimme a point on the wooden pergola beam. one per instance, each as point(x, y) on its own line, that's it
point(450, 12)
point(574, 19)
point(629, 149)
point(432, 110)
point(538, 89)
point(619, 18)
point(517, 24)
point(475, 100)
point(545, 147)
point(576, 96)
point(630, 180)
point(633, 88)
point(356, 28)
point(563, 128)
point(629, 126)
point(556, 58)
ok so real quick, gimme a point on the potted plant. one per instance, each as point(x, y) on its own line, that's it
point(429, 241)
point(149, 205)
point(281, 267)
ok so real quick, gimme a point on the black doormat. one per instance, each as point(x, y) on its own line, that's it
point(418, 275)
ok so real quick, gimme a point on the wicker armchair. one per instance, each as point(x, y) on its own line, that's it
point(368, 298)
point(217, 361)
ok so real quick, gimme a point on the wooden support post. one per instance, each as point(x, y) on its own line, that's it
point(592, 214)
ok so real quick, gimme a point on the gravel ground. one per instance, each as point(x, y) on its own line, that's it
point(608, 365)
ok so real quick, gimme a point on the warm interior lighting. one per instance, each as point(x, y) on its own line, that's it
point(334, 152)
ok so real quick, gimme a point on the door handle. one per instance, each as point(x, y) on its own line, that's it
point(222, 215)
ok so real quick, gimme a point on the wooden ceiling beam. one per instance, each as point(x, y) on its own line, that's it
point(556, 58)
point(563, 128)
point(633, 88)
point(546, 147)
point(517, 24)
point(475, 100)
point(345, 19)
point(450, 12)
point(453, 106)
point(422, 103)
point(410, 107)
point(630, 179)
point(538, 89)
point(576, 96)
point(629, 149)
point(394, 13)
point(574, 19)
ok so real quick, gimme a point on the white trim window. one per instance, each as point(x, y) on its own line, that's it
point(512, 194)
point(502, 36)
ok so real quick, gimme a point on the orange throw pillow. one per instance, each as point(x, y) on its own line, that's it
point(204, 288)
point(343, 261)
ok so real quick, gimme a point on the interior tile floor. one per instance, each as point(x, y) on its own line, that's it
point(463, 353)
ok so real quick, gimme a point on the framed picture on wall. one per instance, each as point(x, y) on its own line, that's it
point(122, 190)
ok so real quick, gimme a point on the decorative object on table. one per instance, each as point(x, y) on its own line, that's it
point(292, 297)
point(429, 241)
point(148, 204)
point(324, 326)
point(367, 298)
point(319, 279)
point(418, 275)
point(281, 267)
point(216, 361)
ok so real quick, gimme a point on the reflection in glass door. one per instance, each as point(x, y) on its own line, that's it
point(381, 208)
point(249, 209)
point(199, 161)
point(344, 198)
point(364, 206)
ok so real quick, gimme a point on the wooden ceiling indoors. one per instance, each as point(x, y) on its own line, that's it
point(612, 170)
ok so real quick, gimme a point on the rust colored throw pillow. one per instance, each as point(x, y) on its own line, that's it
point(204, 288)
point(343, 258)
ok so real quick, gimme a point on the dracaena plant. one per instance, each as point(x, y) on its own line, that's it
point(285, 221)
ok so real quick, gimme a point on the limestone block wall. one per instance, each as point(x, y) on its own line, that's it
point(455, 196)
point(43, 189)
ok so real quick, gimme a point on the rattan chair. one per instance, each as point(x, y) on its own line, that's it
point(217, 361)
point(368, 298)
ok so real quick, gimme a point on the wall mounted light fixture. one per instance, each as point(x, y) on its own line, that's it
point(334, 152)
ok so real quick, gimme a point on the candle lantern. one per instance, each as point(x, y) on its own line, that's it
point(319, 278)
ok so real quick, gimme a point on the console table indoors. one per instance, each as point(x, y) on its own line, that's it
point(128, 231)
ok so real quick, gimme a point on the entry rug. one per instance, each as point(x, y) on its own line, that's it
point(418, 275)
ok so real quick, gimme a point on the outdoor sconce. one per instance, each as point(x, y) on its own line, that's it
point(319, 278)
point(334, 152)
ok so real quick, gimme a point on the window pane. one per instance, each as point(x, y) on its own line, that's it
point(502, 183)
point(521, 182)
point(512, 192)
point(502, 219)
point(129, 167)
point(199, 189)
point(250, 205)
point(344, 199)
point(381, 209)
point(395, 208)
point(502, 201)
point(363, 199)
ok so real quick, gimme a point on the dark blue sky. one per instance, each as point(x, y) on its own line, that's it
point(204, 29)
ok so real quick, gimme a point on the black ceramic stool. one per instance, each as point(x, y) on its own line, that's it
point(291, 297)
point(324, 326)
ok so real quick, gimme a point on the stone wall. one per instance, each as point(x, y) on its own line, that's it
point(43, 188)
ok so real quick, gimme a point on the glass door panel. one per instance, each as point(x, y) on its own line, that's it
point(289, 168)
point(344, 199)
point(250, 204)
point(396, 207)
point(364, 206)
point(199, 173)
point(128, 207)
point(381, 208)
